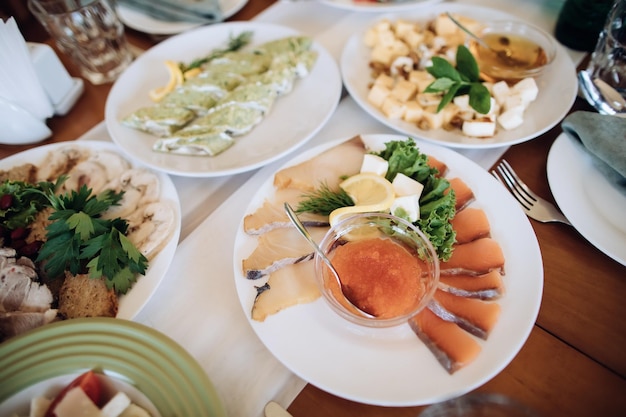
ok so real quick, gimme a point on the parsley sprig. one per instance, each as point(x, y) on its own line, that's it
point(79, 240)
point(464, 79)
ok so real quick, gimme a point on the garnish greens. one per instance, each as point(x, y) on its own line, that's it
point(234, 43)
point(22, 201)
point(464, 79)
point(437, 202)
point(78, 239)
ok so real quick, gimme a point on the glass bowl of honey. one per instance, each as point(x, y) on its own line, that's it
point(516, 50)
point(387, 268)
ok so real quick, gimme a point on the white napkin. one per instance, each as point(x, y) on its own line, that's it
point(19, 83)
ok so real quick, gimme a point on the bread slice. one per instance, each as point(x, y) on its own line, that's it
point(81, 296)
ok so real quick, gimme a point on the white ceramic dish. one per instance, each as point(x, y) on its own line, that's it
point(374, 6)
point(134, 19)
point(392, 367)
point(132, 302)
point(593, 205)
point(293, 120)
point(558, 86)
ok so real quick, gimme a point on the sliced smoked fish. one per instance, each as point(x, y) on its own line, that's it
point(470, 224)
point(474, 258)
point(464, 194)
point(453, 347)
point(286, 287)
point(436, 163)
point(329, 167)
point(475, 316)
point(488, 286)
point(278, 248)
point(271, 214)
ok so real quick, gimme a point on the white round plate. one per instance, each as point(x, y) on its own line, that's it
point(293, 119)
point(558, 86)
point(392, 367)
point(375, 6)
point(133, 301)
point(593, 205)
point(134, 19)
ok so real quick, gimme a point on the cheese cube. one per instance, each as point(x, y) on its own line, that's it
point(377, 95)
point(383, 54)
point(393, 108)
point(444, 26)
point(404, 90)
point(116, 405)
point(500, 91)
point(374, 164)
point(428, 99)
point(515, 100)
point(413, 112)
point(527, 88)
point(76, 403)
point(413, 39)
point(462, 102)
point(431, 119)
point(384, 80)
point(510, 119)
point(406, 207)
point(403, 27)
point(421, 78)
point(404, 185)
point(479, 128)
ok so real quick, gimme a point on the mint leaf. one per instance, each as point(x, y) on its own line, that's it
point(466, 64)
point(479, 98)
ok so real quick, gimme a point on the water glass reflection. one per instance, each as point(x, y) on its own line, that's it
point(604, 81)
point(89, 32)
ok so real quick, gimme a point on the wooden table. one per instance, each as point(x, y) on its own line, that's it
point(574, 362)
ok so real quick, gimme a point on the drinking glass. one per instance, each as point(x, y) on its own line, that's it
point(603, 82)
point(479, 405)
point(89, 32)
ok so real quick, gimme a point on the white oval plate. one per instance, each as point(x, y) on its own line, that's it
point(133, 301)
point(374, 6)
point(294, 118)
point(594, 206)
point(134, 19)
point(392, 367)
point(557, 87)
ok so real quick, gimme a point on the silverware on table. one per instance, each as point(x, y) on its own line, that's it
point(273, 409)
point(535, 207)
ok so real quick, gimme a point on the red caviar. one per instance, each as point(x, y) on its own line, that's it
point(380, 276)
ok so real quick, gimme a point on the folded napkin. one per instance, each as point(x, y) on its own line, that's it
point(604, 138)
point(194, 11)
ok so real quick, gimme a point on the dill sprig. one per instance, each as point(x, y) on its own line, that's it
point(324, 200)
point(235, 43)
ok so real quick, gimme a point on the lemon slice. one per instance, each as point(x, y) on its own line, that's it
point(176, 79)
point(370, 193)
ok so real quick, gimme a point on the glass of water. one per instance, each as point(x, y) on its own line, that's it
point(89, 32)
point(604, 81)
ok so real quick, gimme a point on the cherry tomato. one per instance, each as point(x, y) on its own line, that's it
point(88, 382)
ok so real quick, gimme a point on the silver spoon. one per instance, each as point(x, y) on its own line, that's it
point(504, 54)
point(304, 232)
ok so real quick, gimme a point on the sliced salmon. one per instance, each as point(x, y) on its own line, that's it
point(329, 168)
point(439, 165)
point(286, 287)
point(464, 194)
point(474, 258)
point(278, 248)
point(470, 224)
point(472, 315)
point(271, 214)
point(488, 286)
point(453, 347)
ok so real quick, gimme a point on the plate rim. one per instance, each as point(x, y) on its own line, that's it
point(561, 58)
point(580, 214)
point(118, 132)
point(90, 334)
point(160, 264)
point(525, 322)
point(375, 7)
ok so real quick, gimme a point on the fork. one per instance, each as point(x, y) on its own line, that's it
point(534, 206)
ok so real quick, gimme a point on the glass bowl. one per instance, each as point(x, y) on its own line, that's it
point(531, 51)
point(388, 268)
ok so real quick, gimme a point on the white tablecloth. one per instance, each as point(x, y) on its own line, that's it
point(196, 303)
